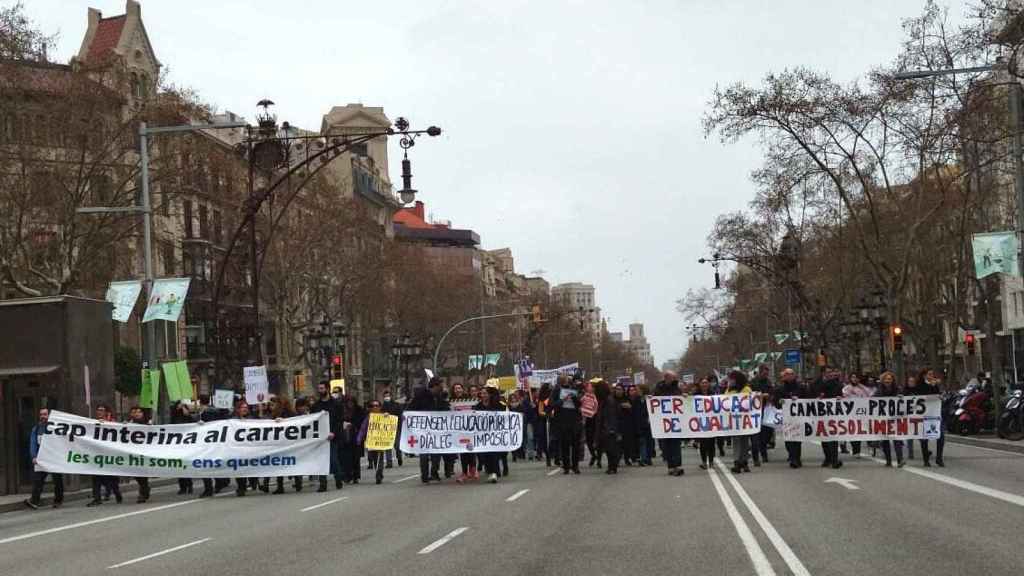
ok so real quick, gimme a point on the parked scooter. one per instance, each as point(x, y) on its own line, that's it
point(1011, 422)
point(971, 416)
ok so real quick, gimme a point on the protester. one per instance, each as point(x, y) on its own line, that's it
point(136, 416)
point(489, 460)
point(641, 427)
point(626, 427)
point(376, 457)
point(241, 413)
point(671, 447)
point(707, 445)
point(390, 406)
point(180, 414)
point(791, 389)
point(910, 383)
point(928, 384)
point(326, 403)
point(467, 461)
point(606, 423)
point(39, 476)
point(740, 443)
point(101, 483)
point(540, 431)
point(887, 389)
point(351, 450)
point(763, 388)
point(830, 386)
point(565, 401)
point(856, 389)
point(590, 432)
point(280, 408)
point(208, 413)
point(429, 400)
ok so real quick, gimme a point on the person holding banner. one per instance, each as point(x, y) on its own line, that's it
point(565, 400)
point(887, 389)
point(671, 448)
point(241, 413)
point(326, 403)
point(39, 476)
point(540, 427)
point(489, 460)
point(208, 413)
point(740, 444)
point(856, 389)
point(762, 385)
point(792, 389)
point(830, 386)
point(928, 383)
point(376, 457)
point(706, 445)
point(181, 415)
point(429, 400)
point(100, 483)
point(137, 416)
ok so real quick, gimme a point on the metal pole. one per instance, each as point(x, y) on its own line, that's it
point(254, 263)
point(149, 340)
point(437, 350)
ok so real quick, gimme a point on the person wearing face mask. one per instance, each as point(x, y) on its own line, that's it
point(830, 386)
point(928, 384)
point(391, 406)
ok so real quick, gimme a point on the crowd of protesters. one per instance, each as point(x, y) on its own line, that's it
point(564, 424)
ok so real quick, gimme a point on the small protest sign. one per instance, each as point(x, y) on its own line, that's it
point(381, 432)
point(257, 388)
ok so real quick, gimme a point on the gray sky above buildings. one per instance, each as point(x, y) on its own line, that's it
point(572, 129)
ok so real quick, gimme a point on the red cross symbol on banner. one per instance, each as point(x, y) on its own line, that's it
point(412, 441)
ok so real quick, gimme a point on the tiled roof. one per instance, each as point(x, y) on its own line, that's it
point(410, 219)
point(108, 34)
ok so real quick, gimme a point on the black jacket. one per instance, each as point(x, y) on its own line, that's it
point(332, 409)
point(424, 401)
point(608, 419)
point(828, 389)
point(923, 389)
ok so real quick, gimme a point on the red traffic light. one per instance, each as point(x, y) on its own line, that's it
point(969, 338)
point(897, 330)
point(336, 360)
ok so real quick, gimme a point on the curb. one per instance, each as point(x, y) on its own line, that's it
point(983, 443)
point(83, 495)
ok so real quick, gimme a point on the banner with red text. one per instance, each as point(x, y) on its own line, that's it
point(704, 416)
point(846, 419)
point(461, 431)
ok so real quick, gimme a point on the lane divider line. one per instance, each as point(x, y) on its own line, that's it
point(444, 540)
point(795, 565)
point(761, 564)
point(964, 484)
point(322, 504)
point(555, 471)
point(160, 553)
point(517, 495)
point(400, 480)
point(97, 521)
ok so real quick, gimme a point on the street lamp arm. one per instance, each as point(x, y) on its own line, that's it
point(437, 349)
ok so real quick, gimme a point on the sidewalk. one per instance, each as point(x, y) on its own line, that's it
point(987, 441)
point(13, 502)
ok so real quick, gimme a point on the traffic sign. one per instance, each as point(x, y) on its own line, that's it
point(792, 356)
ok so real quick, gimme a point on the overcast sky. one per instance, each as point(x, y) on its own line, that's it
point(572, 129)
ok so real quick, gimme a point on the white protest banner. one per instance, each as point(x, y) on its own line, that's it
point(223, 399)
point(123, 296)
point(772, 417)
point(457, 432)
point(539, 377)
point(845, 419)
point(166, 299)
point(704, 416)
point(223, 449)
point(257, 388)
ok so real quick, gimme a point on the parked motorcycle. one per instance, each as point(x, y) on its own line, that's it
point(1011, 422)
point(972, 413)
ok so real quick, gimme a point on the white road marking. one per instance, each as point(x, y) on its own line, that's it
point(160, 553)
point(322, 504)
point(96, 521)
point(517, 495)
point(761, 564)
point(444, 540)
point(404, 479)
point(844, 482)
point(969, 486)
point(1000, 450)
point(795, 565)
point(555, 471)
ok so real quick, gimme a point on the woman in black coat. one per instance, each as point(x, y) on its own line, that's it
point(606, 425)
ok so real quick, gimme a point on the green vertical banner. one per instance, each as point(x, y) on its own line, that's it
point(150, 393)
point(179, 386)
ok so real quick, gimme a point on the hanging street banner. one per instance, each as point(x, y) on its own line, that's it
point(995, 252)
point(123, 295)
point(539, 377)
point(459, 432)
point(257, 387)
point(381, 431)
point(475, 362)
point(166, 299)
point(178, 381)
point(846, 419)
point(492, 359)
point(781, 337)
point(704, 416)
point(223, 449)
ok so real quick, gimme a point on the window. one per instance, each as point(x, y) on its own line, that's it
point(187, 209)
point(217, 227)
point(167, 250)
point(204, 224)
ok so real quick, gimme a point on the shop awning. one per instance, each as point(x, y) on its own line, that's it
point(28, 370)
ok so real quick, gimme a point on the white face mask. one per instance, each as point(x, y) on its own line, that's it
point(387, 398)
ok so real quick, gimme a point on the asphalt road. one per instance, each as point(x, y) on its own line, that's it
point(965, 518)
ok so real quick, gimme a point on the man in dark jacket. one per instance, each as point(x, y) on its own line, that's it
point(609, 435)
point(390, 406)
point(762, 386)
point(927, 384)
point(39, 476)
point(671, 447)
point(791, 389)
point(325, 403)
point(830, 385)
point(429, 400)
point(641, 426)
point(137, 416)
point(208, 413)
point(565, 401)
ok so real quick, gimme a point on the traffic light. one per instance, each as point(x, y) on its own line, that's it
point(337, 367)
point(969, 341)
point(897, 337)
point(536, 314)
